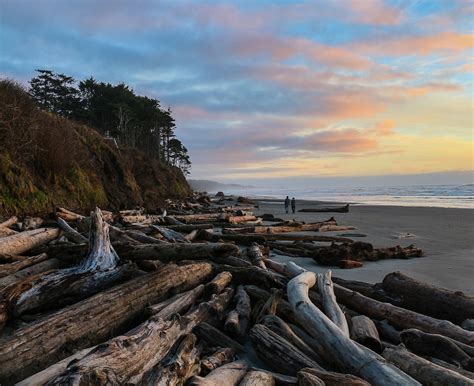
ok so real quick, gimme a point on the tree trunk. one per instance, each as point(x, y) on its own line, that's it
point(349, 356)
point(363, 331)
point(218, 358)
point(181, 363)
point(136, 352)
point(429, 300)
point(400, 317)
point(177, 304)
point(329, 302)
point(227, 375)
point(24, 241)
point(423, 370)
point(277, 352)
point(8, 269)
point(91, 321)
point(238, 319)
point(257, 378)
point(437, 346)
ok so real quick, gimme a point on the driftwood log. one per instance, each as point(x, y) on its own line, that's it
point(8, 269)
point(335, 209)
point(238, 319)
point(24, 241)
point(257, 378)
point(216, 359)
point(91, 321)
point(217, 338)
point(349, 356)
point(335, 379)
point(423, 370)
point(229, 374)
point(364, 331)
point(255, 255)
point(136, 352)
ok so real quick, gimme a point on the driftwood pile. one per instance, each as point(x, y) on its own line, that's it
point(130, 298)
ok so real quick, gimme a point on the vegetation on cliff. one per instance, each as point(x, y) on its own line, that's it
point(47, 160)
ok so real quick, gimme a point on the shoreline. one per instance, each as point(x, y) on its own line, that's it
point(446, 236)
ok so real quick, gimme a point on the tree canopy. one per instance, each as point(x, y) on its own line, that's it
point(114, 110)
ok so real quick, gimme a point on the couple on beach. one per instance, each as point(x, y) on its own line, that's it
point(287, 204)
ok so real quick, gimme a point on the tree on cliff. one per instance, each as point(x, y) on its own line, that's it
point(135, 121)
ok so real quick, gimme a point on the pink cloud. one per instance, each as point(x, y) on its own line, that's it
point(374, 12)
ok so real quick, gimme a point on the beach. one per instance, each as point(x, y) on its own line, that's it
point(446, 236)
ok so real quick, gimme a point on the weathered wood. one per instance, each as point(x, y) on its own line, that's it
point(217, 285)
point(335, 228)
point(177, 304)
point(4, 232)
point(70, 233)
point(216, 359)
point(257, 378)
point(335, 209)
point(207, 235)
point(149, 265)
point(3, 313)
point(336, 379)
point(24, 241)
point(438, 346)
point(170, 235)
point(280, 379)
point(277, 352)
point(216, 337)
point(349, 356)
point(229, 374)
point(9, 222)
point(400, 317)
point(92, 320)
point(238, 319)
point(388, 332)
point(44, 376)
point(281, 228)
point(194, 218)
point(280, 327)
point(67, 215)
point(181, 363)
point(8, 269)
point(308, 379)
point(30, 223)
point(349, 264)
point(254, 275)
point(192, 235)
point(137, 351)
point(459, 370)
point(185, 228)
point(240, 219)
point(329, 302)
point(423, 370)
point(256, 256)
point(363, 331)
point(429, 300)
point(170, 220)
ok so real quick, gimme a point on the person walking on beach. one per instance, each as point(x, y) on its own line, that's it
point(293, 205)
point(287, 204)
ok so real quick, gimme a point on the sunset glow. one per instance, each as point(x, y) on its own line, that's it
point(275, 89)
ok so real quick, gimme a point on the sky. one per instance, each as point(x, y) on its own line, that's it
point(274, 90)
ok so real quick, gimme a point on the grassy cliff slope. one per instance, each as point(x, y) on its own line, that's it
point(48, 161)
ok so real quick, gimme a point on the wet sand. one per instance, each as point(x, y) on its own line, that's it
point(445, 235)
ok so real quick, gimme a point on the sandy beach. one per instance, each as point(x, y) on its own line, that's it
point(445, 235)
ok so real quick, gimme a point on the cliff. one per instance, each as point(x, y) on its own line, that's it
point(48, 161)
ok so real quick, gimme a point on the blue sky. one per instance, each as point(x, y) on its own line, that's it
point(274, 89)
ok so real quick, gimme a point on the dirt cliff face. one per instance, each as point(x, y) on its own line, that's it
point(48, 161)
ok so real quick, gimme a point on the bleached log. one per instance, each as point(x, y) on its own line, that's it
point(240, 219)
point(331, 378)
point(400, 317)
point(171, 235)
point(192, 235)
point(423, 370)
point(335, 228)
point(9, 222)
point(308, 379)
point(329, 302)
point(71, 233)
point(216, 359)
point(91, 321)
point(257, 378)
point(229, 374)
point(281, 228)
point(363, 331)
point(7, 232)
point(349, 356)
point(280, 379)
point(193, 218)
point(8, 269)
point(137, 351)
point(181, 363)
point(255, 255)
point(238, 319)
point(277, 352)
point(24, 241)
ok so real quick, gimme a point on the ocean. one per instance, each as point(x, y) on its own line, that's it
point(441, 196)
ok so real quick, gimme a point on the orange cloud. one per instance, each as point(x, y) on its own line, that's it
point(374, 12)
